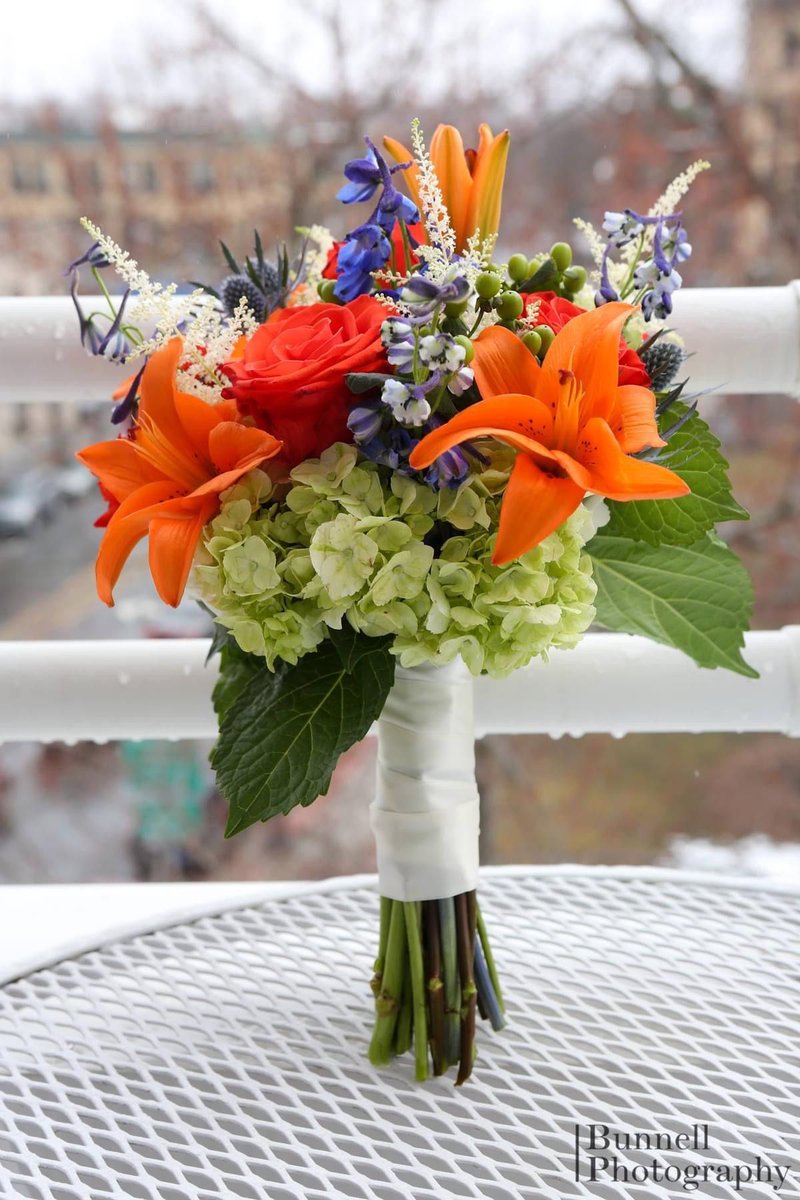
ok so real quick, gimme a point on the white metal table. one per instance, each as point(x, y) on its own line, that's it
point(224, 1056)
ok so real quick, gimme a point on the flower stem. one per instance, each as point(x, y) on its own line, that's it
point(433, 971)
point(417, 974)
point(407, 252)
point(387, 1002)
point(490, 964)
point(452, 986)
point(403, 1034)
point(488, 1003)
point(466, 909)
point(383, 937)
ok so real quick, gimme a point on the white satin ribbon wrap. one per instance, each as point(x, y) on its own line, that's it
point(425, 815)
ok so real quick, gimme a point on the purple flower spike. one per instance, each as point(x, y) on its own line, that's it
point(127, 405)
point(365, 250)
point(93, 257)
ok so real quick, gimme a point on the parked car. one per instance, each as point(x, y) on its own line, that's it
point(32, 496)
point(75, 482)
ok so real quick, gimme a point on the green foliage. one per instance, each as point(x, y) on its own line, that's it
point(544, 277)
point(693, 453)
point(236, 671)
point(367, 381)
point(281, 734)
point(696, 598)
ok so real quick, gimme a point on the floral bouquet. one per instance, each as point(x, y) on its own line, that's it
point(394, 461)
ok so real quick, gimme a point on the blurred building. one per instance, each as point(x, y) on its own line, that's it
point(166, 196)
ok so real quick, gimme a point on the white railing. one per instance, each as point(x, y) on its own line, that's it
point(612, 683)
point(743, 340)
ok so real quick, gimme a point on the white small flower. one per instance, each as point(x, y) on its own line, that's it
point(416, 412)
point(395, 396)
point(462, 380)
point(394, 329)
point(440, 350)
point(431, 349)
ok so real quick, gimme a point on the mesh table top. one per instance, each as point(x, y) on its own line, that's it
point(225, 1057)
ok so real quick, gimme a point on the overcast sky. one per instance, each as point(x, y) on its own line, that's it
point(66, 49)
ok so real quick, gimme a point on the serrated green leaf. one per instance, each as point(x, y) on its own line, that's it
point(696, 598)
point(281, 735)
point(360, 383)
point(547, 272)
point(693, 453)
point(236, 671)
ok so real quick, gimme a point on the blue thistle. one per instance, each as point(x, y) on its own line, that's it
point(231, 290)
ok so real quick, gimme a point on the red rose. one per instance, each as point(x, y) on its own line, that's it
point(291, 376)
point(415, 233)
point(556, 312)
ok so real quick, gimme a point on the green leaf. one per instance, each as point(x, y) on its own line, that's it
point(281, 735)
point(236, 671)
point(693, 453)
point(359, 383)
point(230, 260)
point(205, 287)
point(546, 273)
point(696, 598)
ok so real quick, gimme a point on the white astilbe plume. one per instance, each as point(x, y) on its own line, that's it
point(209, 342)
point(678, 189)
point(441, 236)
point(477, 256)
point(151, 304)
point(209, 337)
point(530, 318)
point(397, 307)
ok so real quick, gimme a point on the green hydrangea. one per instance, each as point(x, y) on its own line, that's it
point(349, 541)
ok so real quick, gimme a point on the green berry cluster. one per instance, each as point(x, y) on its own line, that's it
point(547, 272)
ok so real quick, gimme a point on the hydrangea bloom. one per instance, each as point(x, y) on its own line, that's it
point(348, 543)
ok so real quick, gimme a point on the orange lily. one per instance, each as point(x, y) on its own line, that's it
point(169, 475)
point(471, 180)
point(572, 424)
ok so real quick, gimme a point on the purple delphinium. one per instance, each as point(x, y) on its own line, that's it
point(655, 278)
point(365, 176)
point(365, 250)
point(368, 247)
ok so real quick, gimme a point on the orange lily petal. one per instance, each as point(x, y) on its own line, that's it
point(230, 444)
point(518, 420)
point(171, 546)
point(158, 392)
point(504, 364)
point(535, 503)
point(128, 526)
point(118, 466)
point(633, 421)
point(411, 174)
point(447, 156)
point(588, 345)
point(198, 418)
point(601, 466)
point(483, 212)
